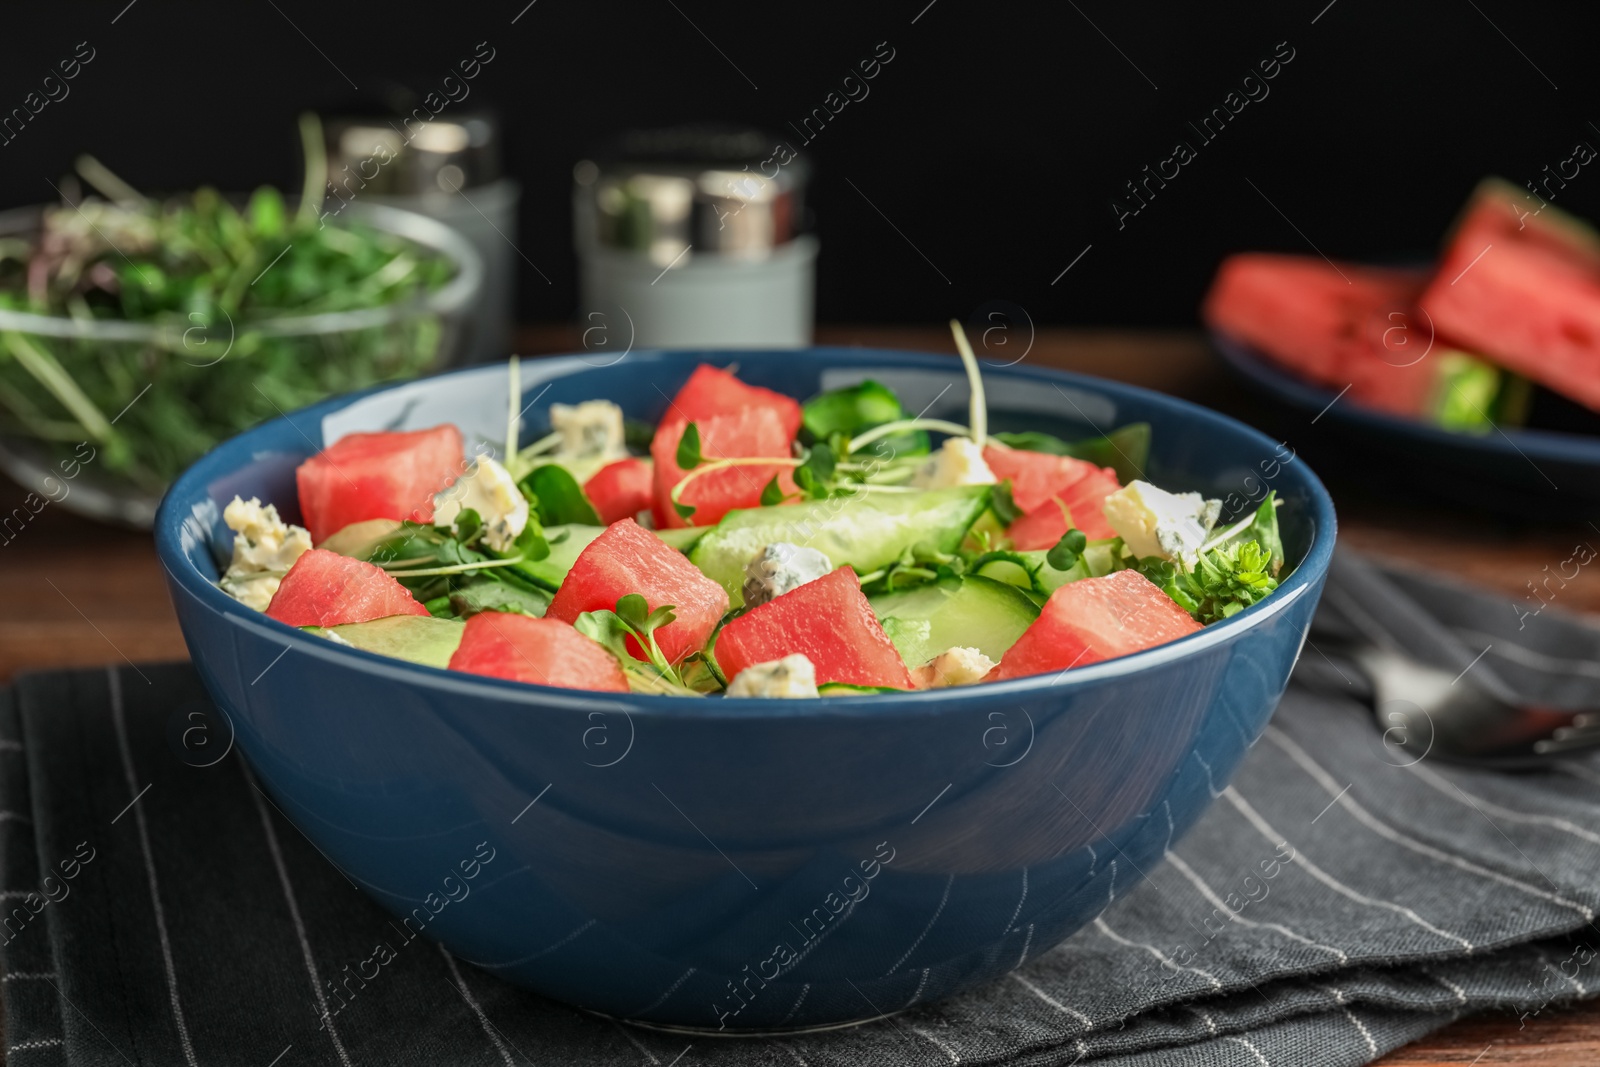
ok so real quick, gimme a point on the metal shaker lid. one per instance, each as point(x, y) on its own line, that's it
point(415, 155)
point(717, 190)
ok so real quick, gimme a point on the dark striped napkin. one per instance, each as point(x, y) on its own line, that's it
point(1339, 900)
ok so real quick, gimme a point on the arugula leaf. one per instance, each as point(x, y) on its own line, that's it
point(468, 525)
point(689, 456)
point(558, 497)
point(488, 594)
point(1265, 532)
point(1067, 551)
point(1125, 450)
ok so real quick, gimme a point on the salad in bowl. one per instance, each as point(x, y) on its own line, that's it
point(503, 621)
point(750, 544)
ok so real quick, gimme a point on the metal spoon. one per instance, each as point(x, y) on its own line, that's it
point(1427, 712)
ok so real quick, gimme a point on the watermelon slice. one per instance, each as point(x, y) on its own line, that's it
point(830, 621)
point(752, 432)
point(541, 651)
point(713, 391)
point(1035, 476)
point(627, 558)
point(1337, 326)
point(385, 475)
point(324, 588)
point(1094, 619)
point(1042, 527)
point(1523, 292)
point(621, 489)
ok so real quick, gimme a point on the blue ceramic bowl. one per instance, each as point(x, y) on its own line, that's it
point(745, 864)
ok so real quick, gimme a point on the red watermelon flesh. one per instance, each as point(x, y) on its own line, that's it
point(627, 558)
point(521, 648)
point(621, 489)
point(750, 432)
point(828, 620)
point(713, 391)
point(1499, 212)
point(1528, 299)
point(1094, 619)
point(1042, 527)
point(326, 589)
point(385, 475)
point(1035, 476)
point(1337, 326)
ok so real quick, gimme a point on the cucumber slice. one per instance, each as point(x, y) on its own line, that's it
point(867, 532)
point(550, 571)
point(417, 638)
point(971, 611)
point(1031, 571)
point(683, 538)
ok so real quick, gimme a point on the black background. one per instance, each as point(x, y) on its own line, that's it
point(994, 141)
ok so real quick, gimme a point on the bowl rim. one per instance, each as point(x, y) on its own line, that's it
point(411, 226)
point(1310, 572)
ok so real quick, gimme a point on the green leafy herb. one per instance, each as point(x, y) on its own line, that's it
point(771, 493)
point(1067, 551)
point(486, 594)
point(917, 563)
point(632, 618)
point(850, 411)
point(1261, 529)
point(1225, 580)
point(815, 475)
point(210, 280)
point(1003, 504)
point(468, 525)
point(557, 496)
point(1125, 450)
point(689, 456)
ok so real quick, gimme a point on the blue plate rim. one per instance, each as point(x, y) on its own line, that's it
point(1306, 576)
point(1248, 361)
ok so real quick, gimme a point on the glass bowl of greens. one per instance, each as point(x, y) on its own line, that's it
point(136, 334)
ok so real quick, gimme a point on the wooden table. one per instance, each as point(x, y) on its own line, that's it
point(95, 595)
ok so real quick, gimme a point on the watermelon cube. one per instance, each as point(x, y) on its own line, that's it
point(1336, 326)
point(1094, 619)
point(621, 489)
point(830, 622)
point(384, 475)
point(1524, 293)
point(521, 648)
point(1042, 527)
point(1035, 477)
point(627, 558)
point(324, 588)
point(749, 433)
point(713, 391)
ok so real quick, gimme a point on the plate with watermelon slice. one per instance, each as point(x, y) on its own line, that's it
point(1475, 380)
point(829, 677)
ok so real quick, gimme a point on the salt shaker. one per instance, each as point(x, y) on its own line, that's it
point(695, 237)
